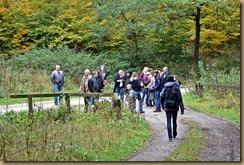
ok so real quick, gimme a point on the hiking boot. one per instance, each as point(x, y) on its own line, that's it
point(157, 110)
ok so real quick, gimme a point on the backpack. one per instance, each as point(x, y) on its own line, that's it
point(171, 97)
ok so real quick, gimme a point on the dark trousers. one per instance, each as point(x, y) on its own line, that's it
point(87, 101)
point(173, 115)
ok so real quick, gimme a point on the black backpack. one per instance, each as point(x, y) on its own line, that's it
point(171, 97)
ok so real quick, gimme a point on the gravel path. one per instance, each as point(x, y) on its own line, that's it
point(221, 138)
point(221, 142)
point(159, 146)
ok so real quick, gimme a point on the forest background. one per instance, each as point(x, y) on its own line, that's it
point(198, 41)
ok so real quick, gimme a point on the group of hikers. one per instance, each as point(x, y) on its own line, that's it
point(159, 89)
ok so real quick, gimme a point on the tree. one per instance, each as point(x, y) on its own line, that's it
point(128, 17)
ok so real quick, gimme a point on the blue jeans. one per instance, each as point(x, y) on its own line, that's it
point(137, 96)
point(92, 100)
point(146, 93)
point(157, 99)
point(173, 115)
point(57, 88)
point(120, 92)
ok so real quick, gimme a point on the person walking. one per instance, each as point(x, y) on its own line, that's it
point(171, 99)
point(84, 87)
point(136, 87)
point(57, 78)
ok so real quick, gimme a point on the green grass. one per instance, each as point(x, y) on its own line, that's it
point(226, 106)
point(190, 148)
point(56, 135)
point(10, 101)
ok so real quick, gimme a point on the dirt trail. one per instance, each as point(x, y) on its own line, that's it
point(221, 142)
point(159, 146)
point(221, 138)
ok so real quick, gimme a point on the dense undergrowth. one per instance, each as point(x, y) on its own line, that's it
point(218, 101)
point(57, 135)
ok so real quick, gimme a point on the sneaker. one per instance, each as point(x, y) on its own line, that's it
point(142, 111)
point(170, 140)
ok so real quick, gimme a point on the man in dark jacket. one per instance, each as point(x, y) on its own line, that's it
point(119, 84)
point(171, 99)
point(93, 87)
point(165, 76)
point(136, 87)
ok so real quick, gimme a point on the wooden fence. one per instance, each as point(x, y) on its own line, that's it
point(115, 99)
point(199, 87)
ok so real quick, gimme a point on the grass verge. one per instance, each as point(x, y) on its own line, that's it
point(190, 148)
point(227, 107)
point(58, 135)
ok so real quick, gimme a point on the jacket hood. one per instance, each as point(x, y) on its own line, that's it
point(169, 84)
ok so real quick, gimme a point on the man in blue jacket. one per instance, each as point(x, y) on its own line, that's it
point(57, 79)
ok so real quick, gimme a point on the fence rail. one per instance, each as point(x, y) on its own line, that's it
point(115, 100)
point(199, 87)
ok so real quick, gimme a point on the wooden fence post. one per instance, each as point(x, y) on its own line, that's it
point(30, 106)
point(198, 89)
point(67, 101)
point(116, 104)
point(118, 107)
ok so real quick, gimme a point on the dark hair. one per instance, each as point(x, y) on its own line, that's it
point(170, 79)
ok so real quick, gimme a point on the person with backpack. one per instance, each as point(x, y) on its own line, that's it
point(171, 99)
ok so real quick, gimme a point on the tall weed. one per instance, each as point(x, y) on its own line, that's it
point(213, 75)
point(60, 135)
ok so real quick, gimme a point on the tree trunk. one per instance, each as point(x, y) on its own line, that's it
point(197, 40)
point(135, 41)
